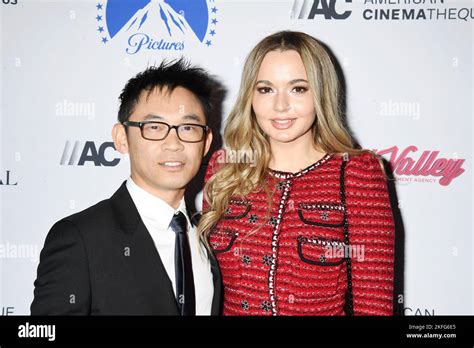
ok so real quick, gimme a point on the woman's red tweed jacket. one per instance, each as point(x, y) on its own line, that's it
point(298, 262)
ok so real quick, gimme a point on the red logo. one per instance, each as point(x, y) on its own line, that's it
point(427, 164)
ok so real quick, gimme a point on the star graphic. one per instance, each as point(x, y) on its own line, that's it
point(214, 9)
point(100, 30)
point(212, 32)
point(208, 43)
point(99, 18)
point(104, 40)
point(214, 21)
point(99, 6)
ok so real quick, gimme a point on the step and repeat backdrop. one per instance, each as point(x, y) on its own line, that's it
point(408, 71)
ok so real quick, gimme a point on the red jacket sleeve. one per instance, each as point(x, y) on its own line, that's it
point(371, 235)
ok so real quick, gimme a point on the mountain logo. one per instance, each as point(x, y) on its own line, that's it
point(157, 25)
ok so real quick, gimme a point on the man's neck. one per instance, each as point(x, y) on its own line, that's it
point(171, 197)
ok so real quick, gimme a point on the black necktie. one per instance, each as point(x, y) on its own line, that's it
point(183, 266)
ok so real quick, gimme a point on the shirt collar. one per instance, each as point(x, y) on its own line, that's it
point(154, 208)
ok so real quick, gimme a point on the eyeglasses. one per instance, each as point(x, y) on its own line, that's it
point(187, 132)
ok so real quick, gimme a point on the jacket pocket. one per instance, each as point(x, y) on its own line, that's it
point(321, 214)
point(237, 209)
point(321, 251)
point(222, 240)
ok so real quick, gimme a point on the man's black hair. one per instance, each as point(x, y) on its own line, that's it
point(178, 73)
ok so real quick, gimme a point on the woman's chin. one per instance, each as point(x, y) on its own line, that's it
point(282, 137)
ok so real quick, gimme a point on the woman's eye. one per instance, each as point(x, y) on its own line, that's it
point(300, 89)
point(264, 90)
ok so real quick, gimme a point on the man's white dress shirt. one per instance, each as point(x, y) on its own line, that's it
point(156, 214)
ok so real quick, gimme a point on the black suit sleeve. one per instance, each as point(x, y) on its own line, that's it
point(62, 286)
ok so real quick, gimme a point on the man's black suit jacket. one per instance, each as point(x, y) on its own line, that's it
point(103, 261)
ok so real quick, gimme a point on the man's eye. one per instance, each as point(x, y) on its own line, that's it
point(154, 127)
point(189, 128)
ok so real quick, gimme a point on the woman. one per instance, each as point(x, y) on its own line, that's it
point(307, 228)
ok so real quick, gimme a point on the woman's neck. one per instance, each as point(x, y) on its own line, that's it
point(294, 156)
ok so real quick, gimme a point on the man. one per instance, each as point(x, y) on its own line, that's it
point(137, 253)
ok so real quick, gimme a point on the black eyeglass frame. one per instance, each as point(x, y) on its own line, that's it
point(143, 123)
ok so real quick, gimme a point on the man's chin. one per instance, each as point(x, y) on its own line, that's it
point(170, 182)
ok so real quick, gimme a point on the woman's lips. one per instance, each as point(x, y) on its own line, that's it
point(283, 123)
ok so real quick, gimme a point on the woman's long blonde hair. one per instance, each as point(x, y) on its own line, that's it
point(244, 134)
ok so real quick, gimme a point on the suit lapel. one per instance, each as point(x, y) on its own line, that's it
point(145, 263)
point(144, 260)
point(150, 273)
point(217, 280)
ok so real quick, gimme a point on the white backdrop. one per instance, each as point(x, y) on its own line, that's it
point(409, 92)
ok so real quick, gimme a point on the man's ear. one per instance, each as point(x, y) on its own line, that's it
point(119, 135)
point(208, 142)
